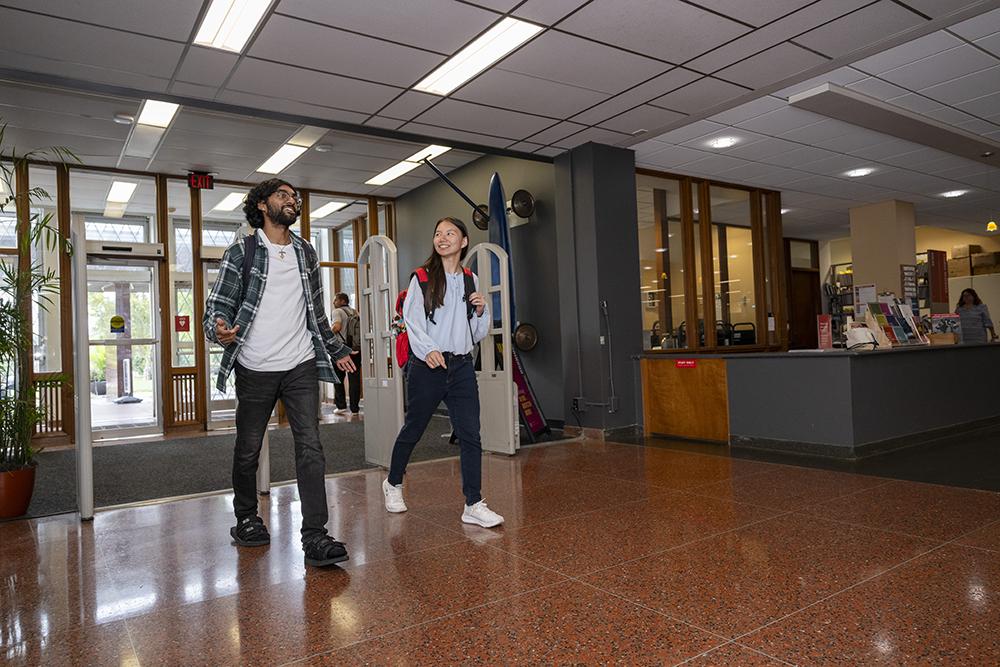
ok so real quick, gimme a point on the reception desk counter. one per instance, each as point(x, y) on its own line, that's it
point(838, 404)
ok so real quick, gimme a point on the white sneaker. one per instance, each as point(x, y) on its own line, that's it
point(481, 515)
point(393, 497)
point(340, 411)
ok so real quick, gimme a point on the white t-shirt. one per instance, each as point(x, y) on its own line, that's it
point(279, 339)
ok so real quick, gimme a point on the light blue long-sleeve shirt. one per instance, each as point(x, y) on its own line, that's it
point(450, 331)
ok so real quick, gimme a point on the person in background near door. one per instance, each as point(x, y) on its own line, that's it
point(655, 336)
point(276, 334)
point(974, 318)
point(347, 325)
point(444, 321)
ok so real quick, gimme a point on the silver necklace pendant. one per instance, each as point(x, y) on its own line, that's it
point(281, 253)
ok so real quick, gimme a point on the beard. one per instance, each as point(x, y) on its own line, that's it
point(282, 215)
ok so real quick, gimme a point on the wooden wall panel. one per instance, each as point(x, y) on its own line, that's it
point(686, 402)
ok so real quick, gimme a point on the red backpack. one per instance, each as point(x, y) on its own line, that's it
point(399, 326)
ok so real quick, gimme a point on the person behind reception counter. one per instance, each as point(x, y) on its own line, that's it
point(974, 318)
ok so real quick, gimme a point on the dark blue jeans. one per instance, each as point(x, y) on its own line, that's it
point(256, 393)
point(425, 388)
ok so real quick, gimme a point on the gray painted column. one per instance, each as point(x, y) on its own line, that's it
point(598, 260)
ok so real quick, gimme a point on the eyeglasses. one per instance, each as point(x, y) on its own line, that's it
point(284, 195)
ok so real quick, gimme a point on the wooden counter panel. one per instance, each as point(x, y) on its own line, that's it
point(686, 402)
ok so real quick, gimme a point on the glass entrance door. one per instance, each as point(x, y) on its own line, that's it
point(123, 325)
point(221, 404)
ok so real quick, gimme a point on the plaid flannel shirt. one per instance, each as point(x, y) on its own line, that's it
point(224, 302)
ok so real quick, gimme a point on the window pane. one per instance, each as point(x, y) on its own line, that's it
point(661, 261)
point(8, 219)
point(326, 216)
point(732, 262)
point(221, 216)
point(117, 208)
point(801, 255)
point(697, 338)
point(46, 320)
point(181, 273)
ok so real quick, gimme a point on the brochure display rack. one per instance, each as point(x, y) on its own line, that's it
point(893, 324)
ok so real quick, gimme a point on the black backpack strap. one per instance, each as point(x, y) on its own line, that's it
point(249, 251)
point(424, 284)
point(470, 287)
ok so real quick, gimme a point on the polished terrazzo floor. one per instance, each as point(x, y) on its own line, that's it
point(611, 554)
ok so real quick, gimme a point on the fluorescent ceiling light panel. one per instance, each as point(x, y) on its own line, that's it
point(121, 192)
point(230, 202)
point(723, 142)
point(114, 210)
point(493, 45)
point(307, 136)
point(327, 209)
point(156, 113)
point(283, 157)
point(228, 24)
point(954, 193)
point(407, 165)
point(857, 173)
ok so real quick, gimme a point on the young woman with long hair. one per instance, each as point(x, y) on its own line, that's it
point(443, 329)
point(974, 318)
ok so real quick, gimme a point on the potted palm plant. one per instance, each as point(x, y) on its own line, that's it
point(20, 291)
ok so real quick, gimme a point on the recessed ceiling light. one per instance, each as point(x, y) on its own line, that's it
point(493, 45)
point(648, 268)
point(121, 192)
point(124, 118)
point(857, 173)
point(986, 154)
point(228, 24)
point(156, 113)
point(322, 148)
point(327, 209)
point(723, 142)
point(954, 193)
point(230, 202)
point(407, 165)
point(785, 210)
point(282, 157)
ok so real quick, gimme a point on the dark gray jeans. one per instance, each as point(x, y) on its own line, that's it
point(256, 393)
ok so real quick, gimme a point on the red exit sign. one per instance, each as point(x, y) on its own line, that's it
point(686, 363)
point(201, 181)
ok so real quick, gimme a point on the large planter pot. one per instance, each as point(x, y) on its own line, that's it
point(16, 487)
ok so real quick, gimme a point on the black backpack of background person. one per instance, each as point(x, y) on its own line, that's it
point(352, 328)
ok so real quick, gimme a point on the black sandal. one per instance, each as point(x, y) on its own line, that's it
point(250, 532)
point(325, 551)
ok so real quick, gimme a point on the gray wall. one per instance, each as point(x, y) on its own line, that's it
point(536, 281)
point(598, 254)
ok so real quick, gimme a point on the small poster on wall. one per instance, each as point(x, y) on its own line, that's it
point(824, 331)
point(863, 295)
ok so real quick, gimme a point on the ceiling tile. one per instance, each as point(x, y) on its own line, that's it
point(756, 13)
point(256, 100)
point(643, 117)
point(796, 157)
point(547, 12)
point(386, 123)
point(640, 25)
point(713, 165)
point(90, 73)
point(484, 120)
point(445, 133)
point(700, 95)
point(940, 67)
point(922, 47)
point(694, 130)
point(184, 89)
point(409, 104)
point(781, 120)
point(595, 134)
point(67, 42)
point(274, 80)
point(991, 44)
point(764, 149)
point(670, 156)
point(642, 93)
point(978, 26)
point(938, 8)
point(520, 92)
point(877, 88)
point(497, 5)
point(557, 132)
point(556, 56)
point(525, 147)
point(171, 19)
point(550, 151)
point(306, 44)
point(749, 110)
point(915, 102)
point(206, 67)
point(775, 64)
point(417, 24)
point(775, 33)
point(985, 106)
point(743, 139)
point(861, 28)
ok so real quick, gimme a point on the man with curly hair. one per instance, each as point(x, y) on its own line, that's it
point(277, 337)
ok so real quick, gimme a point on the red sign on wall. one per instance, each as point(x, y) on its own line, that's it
point(686, 363)
point(182, 322)
point(201, 181)
point(824, 331)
